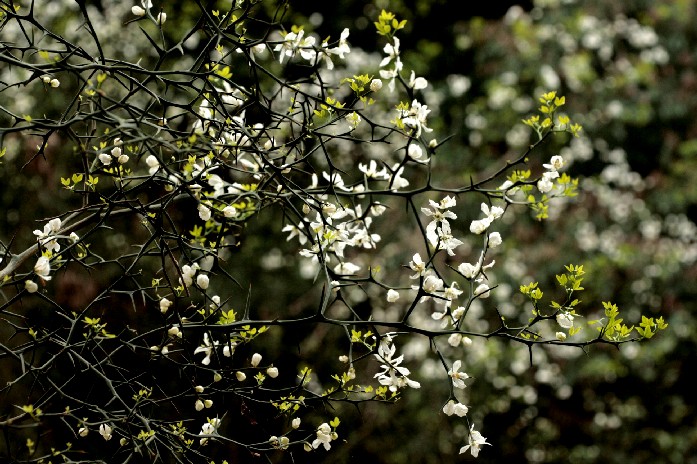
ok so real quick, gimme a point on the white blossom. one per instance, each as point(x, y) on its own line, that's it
point(555, 163)
point(417, 83)
point(105, 431)
point(495, 239)
point(42, 268)
point(456, 408)
point(480, 225)
point(204, 212)
point(375, 85)
point(458, 377)
point(324, 437)
point(31, 286)
point(164, 305)
point(202, 281)
point(482, 291)
point(565, 320)
point(476, 440)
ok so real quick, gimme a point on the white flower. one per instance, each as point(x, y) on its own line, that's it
point(457, 314)
point(492, 213)
point(392, 52)
point(417, 265)
point(54, 83)
point(206, 348)
point(209, 428)
point(230, 211)
point(446, 241)
point(482, 291)
point(123, 159)
point(83, 431)
point(202, 281)
point(468, 270)
point(393, 375)
point(208, 404)
point(174, 332)
point(561, 336)
point(495, 239)
point(164, 305)
point(161, 18)
point(279, 443)
point(256, 359)
point(42, 268)
point(459, 409)
point(432, 284)
point(458, 377)
point(241, 376)
point(375, 85)
point(229, 348)
point(295, 423)
point(272, 372)
point(555, 163)
point(105, 158)
point(198, 405)
point(415, 151)
point(544, 185)
point(137, 11)
point(353, 120)
point(454, 339)
point(565, 320)
point(415, 117)
point(105, 431)
point(417, 83)
point(152, 163)
point(476, 440)
point(371, 171)
point(480, 225)
point(31, 286)
point(296, 42)
point(324, 437)
point(346, 268)
point(392, 295)
point(204, 212)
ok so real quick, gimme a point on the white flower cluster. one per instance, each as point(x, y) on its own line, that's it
point(296, 43)
point(209, 429)
point(143, 9)
point(115, 153)
point(48, 240)
point(545, 183)
point(332, 228)
point(393, 375)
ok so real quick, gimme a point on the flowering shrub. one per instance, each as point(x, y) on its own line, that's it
point(190, 159)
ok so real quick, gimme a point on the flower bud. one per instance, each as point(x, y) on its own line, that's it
point(375, 85)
